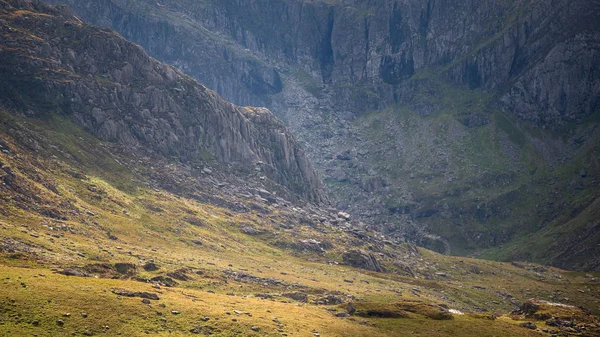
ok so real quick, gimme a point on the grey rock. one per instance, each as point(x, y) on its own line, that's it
point(74, 272)
point(138, 107)
point(528, 325)
point(362, 259)
point(251, 231)
point(330, 299)
point(344, 215)
point(150, 266)
point(351, 309)
point(129, 293)
point(297, 296)
point(125, 268)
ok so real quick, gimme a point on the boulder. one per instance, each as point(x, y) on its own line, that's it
point(362, 259)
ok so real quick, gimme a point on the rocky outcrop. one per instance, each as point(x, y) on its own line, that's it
point(54, 62)
point(362, 259)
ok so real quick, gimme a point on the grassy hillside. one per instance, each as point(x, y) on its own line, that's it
point(72, 204)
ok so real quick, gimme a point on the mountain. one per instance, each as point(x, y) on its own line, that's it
point(470, 127)
point(135, 201)
point(120, 94)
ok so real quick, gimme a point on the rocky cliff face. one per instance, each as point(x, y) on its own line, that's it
point(379, 44)
point(443, 123)
point(114, 89)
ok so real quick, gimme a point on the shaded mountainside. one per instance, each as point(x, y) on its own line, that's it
point(379, 44)
point(468, 127)
point(52, 63)
point(111, 223)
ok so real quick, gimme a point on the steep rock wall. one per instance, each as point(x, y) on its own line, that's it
point(114, 89)
point(379, 44)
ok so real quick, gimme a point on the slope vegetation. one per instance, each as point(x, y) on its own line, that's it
point(99, 237)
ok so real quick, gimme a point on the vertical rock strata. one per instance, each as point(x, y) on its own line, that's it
point(114, 89)
point(239, 48)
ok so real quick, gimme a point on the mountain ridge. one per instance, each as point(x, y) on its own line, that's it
point(172, 114)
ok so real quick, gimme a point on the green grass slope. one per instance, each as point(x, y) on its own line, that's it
point(72, 204)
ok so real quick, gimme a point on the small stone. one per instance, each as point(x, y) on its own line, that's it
point(146, 301)
point(255, 328)
point(84, 315)
point(35, 323)
point(351, 308)
point(362, 259)
point(151, 267)
point(60, 322)
point(175, 312)
point(528, 325)
point(205, 318)
point(344, 215)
